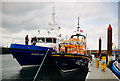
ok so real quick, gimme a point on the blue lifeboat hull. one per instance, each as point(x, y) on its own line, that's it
point(30, 55)
point(71, 62)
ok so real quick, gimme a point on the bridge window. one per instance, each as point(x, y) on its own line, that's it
point(54, 40)
point(79, 43)
point(84, 43)
point(72, 42)
point(48, 40)
point(41, 40)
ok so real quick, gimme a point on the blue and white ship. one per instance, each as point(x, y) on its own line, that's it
point(33, 54)
point(29, 54)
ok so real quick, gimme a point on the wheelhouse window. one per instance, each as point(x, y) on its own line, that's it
point(54, 40)
point(41, 40)
point(79, 43)
point(72, 42)
point(84, 43)
point(48, 40)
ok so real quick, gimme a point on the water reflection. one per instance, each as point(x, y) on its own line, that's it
point(51, 72)
point(46, 72)
point(12, 71)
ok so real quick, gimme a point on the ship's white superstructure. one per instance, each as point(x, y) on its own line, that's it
point(51, 37)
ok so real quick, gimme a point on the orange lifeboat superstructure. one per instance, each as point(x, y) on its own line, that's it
point(74, 45)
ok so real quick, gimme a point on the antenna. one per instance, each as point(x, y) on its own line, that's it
point(78, 21)
point(78, 25)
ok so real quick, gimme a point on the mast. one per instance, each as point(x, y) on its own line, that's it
point(53, 26)
point(78, 28)
point(53, 18)
point(78, 23)
point(53, 15)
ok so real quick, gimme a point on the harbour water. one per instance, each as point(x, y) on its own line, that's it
point(12, 71)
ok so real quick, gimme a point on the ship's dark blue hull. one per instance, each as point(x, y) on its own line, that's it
point(70, 62)
point(30, 55)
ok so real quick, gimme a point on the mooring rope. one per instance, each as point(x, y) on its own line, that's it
point(40, 65)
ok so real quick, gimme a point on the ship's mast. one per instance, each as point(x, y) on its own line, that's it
point(53, 18)
point(78, 28)
point(53, 15)
point(78, 25)
point(53, 26)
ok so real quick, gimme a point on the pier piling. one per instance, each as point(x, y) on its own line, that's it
point(109, 43)
point(100, 45)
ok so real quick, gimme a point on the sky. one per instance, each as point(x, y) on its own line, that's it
point(21, 18)
point(118, 25)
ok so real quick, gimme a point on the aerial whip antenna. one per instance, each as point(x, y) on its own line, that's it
point(78, 25)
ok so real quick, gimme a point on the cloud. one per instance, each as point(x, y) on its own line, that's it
point(24, 18)
point(60, 0)
point(17, 8)
point(27, 16)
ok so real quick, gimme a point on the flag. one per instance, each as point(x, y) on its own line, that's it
point(81, 31)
